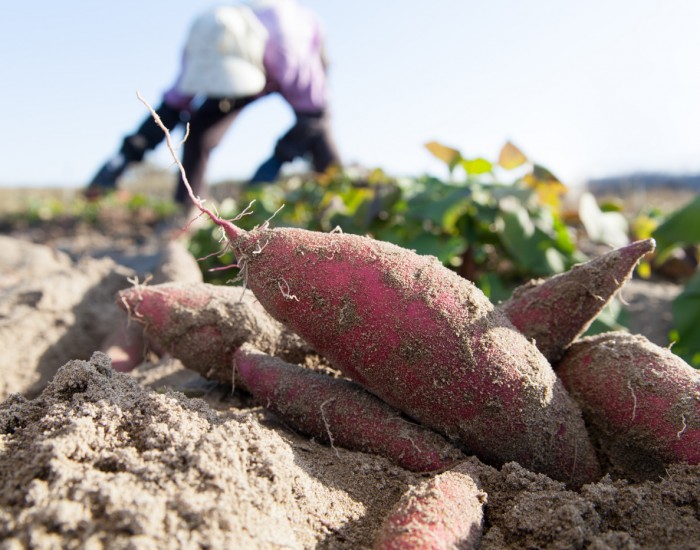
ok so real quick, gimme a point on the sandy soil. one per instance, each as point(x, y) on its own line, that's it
point(162, 458)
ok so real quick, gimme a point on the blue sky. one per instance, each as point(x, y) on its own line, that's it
point(586, 88)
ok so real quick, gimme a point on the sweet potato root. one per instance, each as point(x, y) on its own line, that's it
point(554, 312)
point(418, 336)
point(202, 325)
point(443, 512)
point(642, 401)
point(421, 338)
point(340, 412)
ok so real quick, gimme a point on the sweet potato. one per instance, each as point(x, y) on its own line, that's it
point(125, 347)
point(641, 400)
point(340, 412)
point(555, 311)
point(421, 338)
point(202, 325)
point(443, 512)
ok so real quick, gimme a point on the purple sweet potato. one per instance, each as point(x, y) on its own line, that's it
point(203, 325)
point(340, 412)
point(421, 338)
point(443, 512)
point(641, 400)
point(555, 311)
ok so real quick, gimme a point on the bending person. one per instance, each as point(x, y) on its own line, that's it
point(233, 56)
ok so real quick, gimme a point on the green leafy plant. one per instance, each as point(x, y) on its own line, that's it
point(681, 229)
point(686, 321)
point(494, 232)
point(129, 208)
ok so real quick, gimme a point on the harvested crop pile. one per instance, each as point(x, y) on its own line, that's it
point(422, 339)
point(340, 412)
point(446, 511)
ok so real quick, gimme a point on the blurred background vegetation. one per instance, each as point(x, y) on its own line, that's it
point(498, 222)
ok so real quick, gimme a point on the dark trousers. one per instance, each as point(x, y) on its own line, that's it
point(208, 126)
point(149, 134)
point(310, 135)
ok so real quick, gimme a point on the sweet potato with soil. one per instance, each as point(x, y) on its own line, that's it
point(555, 311)
point(641, 400)
point(421, 338)
point(202, 325)
point(340, 412)
point(443, 512)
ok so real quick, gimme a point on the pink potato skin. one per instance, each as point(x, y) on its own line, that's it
point(424, 340)
point(555, 311)
point(155, 305)
point(641, 400)
point(443, 512)
point(203, 325)
point(340, 412)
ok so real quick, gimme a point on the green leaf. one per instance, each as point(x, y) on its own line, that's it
point(529, 246)
point(137, 201)
point(356, 197)
point(564, 236)
point(680, 228)
point(686, 320)
point(603, 227)
point(554, 261)
point(613, 317)
point(477, 166)
point(435, 245)
point(493, 286)
point(440, 204)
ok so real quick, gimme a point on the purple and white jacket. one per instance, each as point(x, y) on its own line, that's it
point(294, 58)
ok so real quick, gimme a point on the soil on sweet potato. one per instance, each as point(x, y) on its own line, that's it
point(89, 456)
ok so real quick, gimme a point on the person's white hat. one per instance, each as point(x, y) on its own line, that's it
point(224, 54)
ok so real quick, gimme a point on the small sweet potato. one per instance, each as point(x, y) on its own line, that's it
point(125, 347)
point(444, 512)
point(555, 311)
point(641, 400)
point(202, 325)
point(340, 412)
